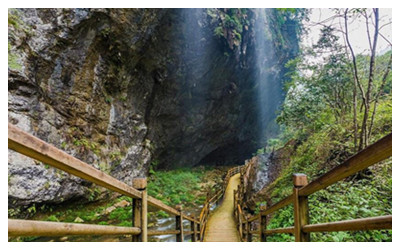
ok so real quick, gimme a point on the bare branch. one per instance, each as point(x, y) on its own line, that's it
point(384, 38)
point(368, 35)
point(353, 56)
point(386, 24)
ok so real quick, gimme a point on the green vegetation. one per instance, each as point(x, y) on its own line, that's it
point(13, 59)
point(52, 218)
point(15, 21)
point(16, 26)
point(76, 137)
point(230, 24)
point(163, 186)
point(115, 156)
point(318, 113)
point(85, 144)
point(282, 18)
point(191, 191)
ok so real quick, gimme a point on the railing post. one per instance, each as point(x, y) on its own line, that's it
point(234, 203)
point(301, 214)
point(249, 236)
point(139, 210)
point(244, 230)
point(263, 224)
point(241, 186)
point(198, 226)
point(240, 226)
point(144, 213)
point(179, 224)
point(193, 228)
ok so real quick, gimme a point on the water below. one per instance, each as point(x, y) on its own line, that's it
point(169, 224)
point(159, 224)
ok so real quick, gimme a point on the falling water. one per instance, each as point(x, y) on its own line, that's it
point(265, 56)
point(194, 61)
point(268, 89)
point(194, 58)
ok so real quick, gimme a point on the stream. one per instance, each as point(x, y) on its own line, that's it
point(169, 224)
point(160, 224)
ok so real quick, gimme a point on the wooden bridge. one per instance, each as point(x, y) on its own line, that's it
point(228, 222)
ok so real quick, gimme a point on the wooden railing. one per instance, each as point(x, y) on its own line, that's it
point(37, 149)
point(213, 199)
point(371, 155)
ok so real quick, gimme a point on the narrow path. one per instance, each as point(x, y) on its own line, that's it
point(221, 226)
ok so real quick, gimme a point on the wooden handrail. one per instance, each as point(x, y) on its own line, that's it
point(165, 232)
point(286, 230)
point(283, 203)
point(371, 223)
point(374, 153)
point(40, 150)
point(46, 228)
point(35, 148)
point(205, 212)
point(371, 155)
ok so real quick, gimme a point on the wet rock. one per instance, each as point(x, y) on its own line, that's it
point(108, 210)
point(123, 88)
point(122, 203)
point(264, 170)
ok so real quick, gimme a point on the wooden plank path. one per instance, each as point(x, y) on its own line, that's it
point(221, 226)
point(228, 223)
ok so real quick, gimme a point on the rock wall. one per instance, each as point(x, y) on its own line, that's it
point(262, 171)
point(123, 89)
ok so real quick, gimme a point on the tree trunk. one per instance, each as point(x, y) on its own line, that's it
point(364, 127)
point(384, 79)
point(356, 81)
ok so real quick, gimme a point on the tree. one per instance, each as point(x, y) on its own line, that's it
point(319, 86)
point(330, 81)
point(366, 90)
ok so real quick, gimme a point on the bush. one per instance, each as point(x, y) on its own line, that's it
point(163, 185)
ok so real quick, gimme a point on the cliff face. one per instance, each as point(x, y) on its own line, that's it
point(125, 88)
point(262, 171)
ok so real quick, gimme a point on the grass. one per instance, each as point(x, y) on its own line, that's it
point(185, 186)
point(163, 186)
point(344, 200)
point(359, 196)
point(13, 59)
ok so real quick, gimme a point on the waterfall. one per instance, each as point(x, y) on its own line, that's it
point(268, 89)
point(265, 57)
point(194, 62)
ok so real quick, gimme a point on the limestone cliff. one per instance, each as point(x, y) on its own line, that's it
point(125, 88)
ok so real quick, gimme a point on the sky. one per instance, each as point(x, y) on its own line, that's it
point(357, 30)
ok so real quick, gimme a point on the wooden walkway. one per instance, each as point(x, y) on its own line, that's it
point(221, 226)
point(228, 223)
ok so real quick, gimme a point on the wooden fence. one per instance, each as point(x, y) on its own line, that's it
point(37, 149)
point(371, 155)
point(214, 198)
